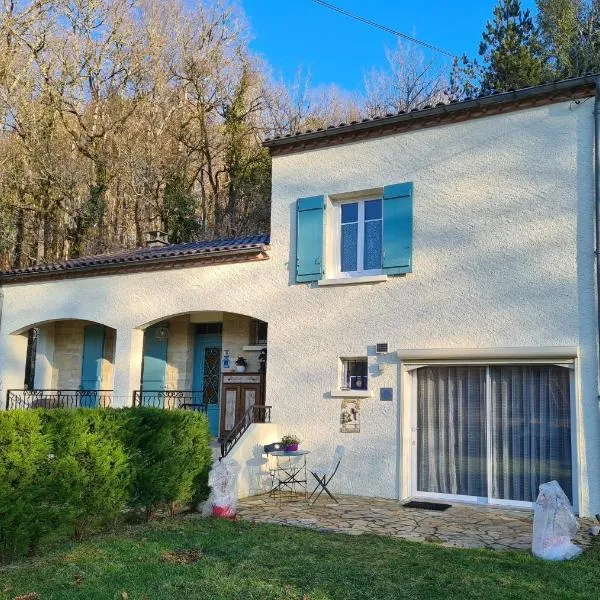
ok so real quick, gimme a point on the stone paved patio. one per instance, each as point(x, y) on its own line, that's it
point(461, 526)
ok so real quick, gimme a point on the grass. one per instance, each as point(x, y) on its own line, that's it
point(194, 558)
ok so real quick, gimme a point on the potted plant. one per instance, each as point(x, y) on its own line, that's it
point(240, 364)
point(290, 442)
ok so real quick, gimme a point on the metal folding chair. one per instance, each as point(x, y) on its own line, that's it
point(325, 476)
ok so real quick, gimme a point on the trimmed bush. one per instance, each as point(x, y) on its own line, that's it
point(24, 451)
point(90, 471)
point(171, 452)
point(65, 473)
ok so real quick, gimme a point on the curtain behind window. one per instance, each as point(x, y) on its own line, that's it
point(531, 430)
point(451, 421)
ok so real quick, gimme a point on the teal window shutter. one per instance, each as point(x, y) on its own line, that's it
point(93, 352)
point(309, 238)
point(397, 228)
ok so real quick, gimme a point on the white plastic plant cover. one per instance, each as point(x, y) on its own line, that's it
point(554, 524)
point(222, 479)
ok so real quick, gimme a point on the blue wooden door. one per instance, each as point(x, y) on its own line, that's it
point(154, 371)
point(91, 364)
point(207, 376)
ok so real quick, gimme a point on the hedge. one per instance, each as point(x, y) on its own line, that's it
point(66, 473)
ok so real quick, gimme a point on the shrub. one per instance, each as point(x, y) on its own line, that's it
point(68, 472)
point(90, 473)
point(172, 454)
point(24, 451)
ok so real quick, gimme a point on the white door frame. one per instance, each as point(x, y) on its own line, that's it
point(408, 448)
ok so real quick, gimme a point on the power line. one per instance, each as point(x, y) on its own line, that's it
point(382, 27)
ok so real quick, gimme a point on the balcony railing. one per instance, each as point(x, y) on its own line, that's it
point(170, 399)
point(16, 399)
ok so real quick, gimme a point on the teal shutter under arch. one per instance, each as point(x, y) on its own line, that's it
point(397, 228)
point(155, 358)
point(91, 363)
point(309, 238)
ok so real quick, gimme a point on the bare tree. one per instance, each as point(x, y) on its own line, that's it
point(410, 81)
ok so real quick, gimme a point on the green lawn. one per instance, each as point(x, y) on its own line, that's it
point(206, 558)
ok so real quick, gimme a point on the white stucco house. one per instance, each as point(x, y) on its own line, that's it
point(427, 295)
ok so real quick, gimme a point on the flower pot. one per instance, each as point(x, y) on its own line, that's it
point(240, 369)
point(291, 448)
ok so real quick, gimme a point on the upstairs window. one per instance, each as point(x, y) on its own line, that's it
point(354, 374)
point(366, 236)
point(361, 237)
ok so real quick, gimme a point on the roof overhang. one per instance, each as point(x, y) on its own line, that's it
point(155, 264)
point(442, 114)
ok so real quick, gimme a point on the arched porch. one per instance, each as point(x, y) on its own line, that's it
point(68, 363)
point(189, 362)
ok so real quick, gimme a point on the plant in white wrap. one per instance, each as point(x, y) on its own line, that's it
point(554, 524)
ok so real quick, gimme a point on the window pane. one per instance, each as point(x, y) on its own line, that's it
point(355, 373)
point(451, 431)
point(372, 258)
point(531, 430)
point(349, 247)
point(372, 210)
point(350, 212)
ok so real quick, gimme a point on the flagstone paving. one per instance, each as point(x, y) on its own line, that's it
point(461, 526)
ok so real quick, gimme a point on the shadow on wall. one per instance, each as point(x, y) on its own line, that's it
point(259, 477)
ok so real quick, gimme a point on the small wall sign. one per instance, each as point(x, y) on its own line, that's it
point(386, 394)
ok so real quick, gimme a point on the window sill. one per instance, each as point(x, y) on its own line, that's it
point(256, 348)
point(353, 280)
point(351, 394)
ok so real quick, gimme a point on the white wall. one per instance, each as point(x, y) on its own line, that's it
point(503, 257)
point(253, 476)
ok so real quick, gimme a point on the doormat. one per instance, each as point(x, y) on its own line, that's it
point(427, 505)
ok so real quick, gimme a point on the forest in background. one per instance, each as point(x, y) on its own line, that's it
point(124, 116)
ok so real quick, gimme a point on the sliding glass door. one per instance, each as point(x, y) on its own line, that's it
point(492, 433)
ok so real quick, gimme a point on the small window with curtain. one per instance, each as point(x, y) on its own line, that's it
point(361, 237)
point(354, 374)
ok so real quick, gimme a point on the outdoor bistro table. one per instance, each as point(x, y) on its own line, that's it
point(289, 476)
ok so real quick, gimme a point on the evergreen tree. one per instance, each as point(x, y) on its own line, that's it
point(512, 54)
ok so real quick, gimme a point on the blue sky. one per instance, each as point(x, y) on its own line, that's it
point(339, 50)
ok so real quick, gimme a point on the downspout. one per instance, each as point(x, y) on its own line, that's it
point(597, 215)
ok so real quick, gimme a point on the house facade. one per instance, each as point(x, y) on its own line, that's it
point(427, 296)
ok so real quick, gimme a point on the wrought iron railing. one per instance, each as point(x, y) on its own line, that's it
point(255, 414)
point(179, 399)
point(16, 399)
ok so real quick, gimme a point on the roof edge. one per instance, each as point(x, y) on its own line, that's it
point(441, 114)
point(206, 258)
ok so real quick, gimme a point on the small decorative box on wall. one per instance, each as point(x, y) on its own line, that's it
point(386, 394)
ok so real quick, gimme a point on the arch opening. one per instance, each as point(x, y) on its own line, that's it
point(68, 363)
point(210, 361)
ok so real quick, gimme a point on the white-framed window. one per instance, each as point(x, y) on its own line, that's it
point(360, 245)
point(354, 374)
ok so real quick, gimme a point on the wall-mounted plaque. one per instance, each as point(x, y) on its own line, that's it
point(386, 394)
point(241, 378)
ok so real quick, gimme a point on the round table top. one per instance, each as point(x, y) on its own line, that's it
point(293, 453)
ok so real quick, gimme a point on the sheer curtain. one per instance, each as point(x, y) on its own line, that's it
point(531, 430)
point(451, 424)
point(529, 422)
